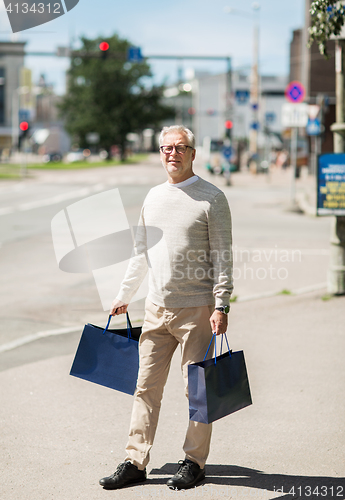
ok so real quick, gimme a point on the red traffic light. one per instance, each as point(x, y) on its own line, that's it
point(24, 126)
point(228, 124)
point(104, 46)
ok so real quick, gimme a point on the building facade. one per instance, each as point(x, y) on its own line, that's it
point(317, 74)
point(11, 64)
point(209, 94)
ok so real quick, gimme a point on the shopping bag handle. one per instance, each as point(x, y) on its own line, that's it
point(214, 336)
point(129, 326)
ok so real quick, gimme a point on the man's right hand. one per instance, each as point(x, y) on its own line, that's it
point(118, 307)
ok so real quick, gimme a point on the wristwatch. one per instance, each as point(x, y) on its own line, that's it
point(223, 309)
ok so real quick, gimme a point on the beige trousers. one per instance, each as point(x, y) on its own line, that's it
point(162, 331)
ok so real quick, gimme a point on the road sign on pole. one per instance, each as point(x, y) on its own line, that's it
point(294, 115)
point(134, 55)
point(313, 110)
point(227, 152)
point(295, 92)
point(313, 127)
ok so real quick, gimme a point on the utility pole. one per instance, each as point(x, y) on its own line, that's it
point(254, 98)
point(336, 272)
point(255, 82)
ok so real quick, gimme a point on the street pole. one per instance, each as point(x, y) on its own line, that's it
point(23, 160)
point(228, 104)
point(336, 272)
point(229, 116)
point(293, 156)
point(15, 118)
point(254, 98)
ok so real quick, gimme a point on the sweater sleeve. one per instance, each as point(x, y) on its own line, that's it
point(220, 238)
point(138, 264)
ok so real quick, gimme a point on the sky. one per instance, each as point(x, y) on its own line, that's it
point(180, 27)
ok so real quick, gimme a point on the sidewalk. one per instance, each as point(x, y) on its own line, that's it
point(61, 434)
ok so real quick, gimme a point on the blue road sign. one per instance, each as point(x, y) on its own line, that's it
point(134, 55)
point(313, 127)
point(254, 125)
point(24, 115)
point(227, 152)
point(331, 184)
point(295, 92)
point(242, 96)
point(270, 117)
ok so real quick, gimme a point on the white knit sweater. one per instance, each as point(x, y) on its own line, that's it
point(191, 265)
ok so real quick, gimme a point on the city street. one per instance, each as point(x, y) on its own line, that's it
point(61, 434)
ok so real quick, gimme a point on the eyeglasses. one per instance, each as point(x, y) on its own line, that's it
point(180, 149)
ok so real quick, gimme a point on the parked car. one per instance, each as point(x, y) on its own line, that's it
point(217, 163)
point(52, 157)
point(78, 155)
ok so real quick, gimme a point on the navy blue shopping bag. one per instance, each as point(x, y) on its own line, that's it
point(218, 386)
point(108, 357)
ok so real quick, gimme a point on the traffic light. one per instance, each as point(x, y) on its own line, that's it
point(104, 46)
point(25, 129)
point(228, 127)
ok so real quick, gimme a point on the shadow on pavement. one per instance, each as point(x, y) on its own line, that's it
point(39, 350)
point(222, 477)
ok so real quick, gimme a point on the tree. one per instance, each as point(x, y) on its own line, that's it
point(327, 19)
point(110, 96)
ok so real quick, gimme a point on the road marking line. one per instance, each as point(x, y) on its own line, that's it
point(36, 336)
point(53, 200)
point(63, 331)
point(73, 194)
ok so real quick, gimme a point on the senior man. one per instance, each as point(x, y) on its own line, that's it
point(190, 283)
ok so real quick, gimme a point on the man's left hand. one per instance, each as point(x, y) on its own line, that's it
point(219, 322)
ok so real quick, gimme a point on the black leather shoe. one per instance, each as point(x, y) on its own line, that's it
point(125, 474)
point(187, 476)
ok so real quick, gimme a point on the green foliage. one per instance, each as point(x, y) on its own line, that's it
point(285, 292)
point(110, 96)
point(327, 19)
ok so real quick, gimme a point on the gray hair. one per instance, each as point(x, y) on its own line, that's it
point(181, 129)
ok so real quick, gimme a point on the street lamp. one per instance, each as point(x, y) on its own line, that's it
point(255, 81)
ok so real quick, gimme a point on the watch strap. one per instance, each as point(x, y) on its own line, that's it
point(223, 309)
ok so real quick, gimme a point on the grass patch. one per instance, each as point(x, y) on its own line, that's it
point(75, 165)
point(285, 292)
point(9, 171)
point(234, 298)
point(326, 297)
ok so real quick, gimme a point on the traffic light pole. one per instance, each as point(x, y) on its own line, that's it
point(15, 118)
point(293, 156)
point(254, 97)
point(23, 160)
point(336, 272)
